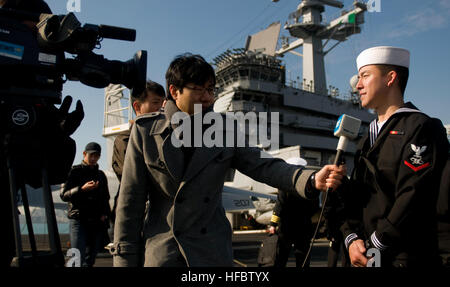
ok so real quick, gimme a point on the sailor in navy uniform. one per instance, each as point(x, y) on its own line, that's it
point(391, 198)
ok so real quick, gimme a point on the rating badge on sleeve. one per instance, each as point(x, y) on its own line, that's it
point(417, 162)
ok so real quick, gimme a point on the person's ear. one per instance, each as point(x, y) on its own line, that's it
point(173, 92)
point(391, 76)
point(136, 106)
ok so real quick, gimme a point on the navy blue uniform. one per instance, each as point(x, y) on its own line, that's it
point(391, 198)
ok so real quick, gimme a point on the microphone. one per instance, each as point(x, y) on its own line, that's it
point(347, 128)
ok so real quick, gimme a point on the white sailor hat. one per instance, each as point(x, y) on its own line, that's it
point(383, 55)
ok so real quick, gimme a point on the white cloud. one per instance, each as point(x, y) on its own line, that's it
point(422, 21)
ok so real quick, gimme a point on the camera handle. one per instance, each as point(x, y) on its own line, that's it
point(56, 257)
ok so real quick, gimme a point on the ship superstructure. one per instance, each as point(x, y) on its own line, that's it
point(253, 79)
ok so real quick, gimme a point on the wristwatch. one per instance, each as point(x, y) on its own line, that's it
point(312, 180)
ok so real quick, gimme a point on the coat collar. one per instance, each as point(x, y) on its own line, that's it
point(160, 126)
point(173, 156)
point(393, 119)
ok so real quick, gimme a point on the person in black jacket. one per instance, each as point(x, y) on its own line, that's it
point(291, 219)
point(149, 101)
point(86, 191)
point(391, 198)
point(334, 215)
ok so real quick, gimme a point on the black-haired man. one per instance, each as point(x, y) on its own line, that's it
point(86, 191)
point(149, 101)
point(186, 223)
point(391, 198)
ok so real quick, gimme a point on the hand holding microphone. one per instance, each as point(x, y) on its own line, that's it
point(329, 177)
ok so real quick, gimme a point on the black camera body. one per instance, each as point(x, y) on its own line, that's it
point(33, 62)
point(25, 70)
point(33, 69)
point(35, 143)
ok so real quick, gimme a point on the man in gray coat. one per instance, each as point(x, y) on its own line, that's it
point(186, 223)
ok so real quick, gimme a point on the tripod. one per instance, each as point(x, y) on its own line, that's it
point(55, 257)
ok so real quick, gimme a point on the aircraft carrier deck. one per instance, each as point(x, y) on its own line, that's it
point(245, 247)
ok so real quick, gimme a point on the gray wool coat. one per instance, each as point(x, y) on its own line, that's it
point(185, 221)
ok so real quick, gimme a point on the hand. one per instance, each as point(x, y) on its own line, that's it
point(357, 252)
point(69, 122)
point(90, 185)
point(271, 230)
point(330, 176)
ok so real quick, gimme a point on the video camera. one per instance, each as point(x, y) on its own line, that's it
point(36, 147)
point(33, 62)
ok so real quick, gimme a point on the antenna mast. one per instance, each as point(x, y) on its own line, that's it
point(308, 27)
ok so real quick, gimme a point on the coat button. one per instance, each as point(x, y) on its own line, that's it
point(206, 200)
point(203, 230)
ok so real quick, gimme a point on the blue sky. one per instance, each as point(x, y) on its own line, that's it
point(166, 28)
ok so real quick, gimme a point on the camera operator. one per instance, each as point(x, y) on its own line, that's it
point(45, 144)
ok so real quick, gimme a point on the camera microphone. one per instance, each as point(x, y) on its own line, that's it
point(117, 33)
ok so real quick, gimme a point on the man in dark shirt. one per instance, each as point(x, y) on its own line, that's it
point(86, 191)
point(291, 220)
point(149, 101)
